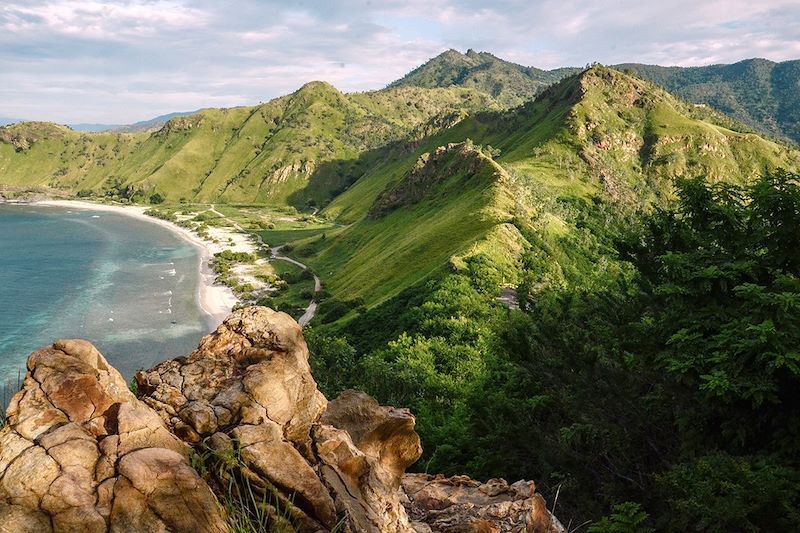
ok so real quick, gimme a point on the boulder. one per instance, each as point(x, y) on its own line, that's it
point(249, 384)
point(79, 452)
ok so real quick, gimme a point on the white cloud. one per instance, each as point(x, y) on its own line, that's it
point(125, 60)
point(99, 20)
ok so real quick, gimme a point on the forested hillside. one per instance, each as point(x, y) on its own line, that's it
point(510, 84)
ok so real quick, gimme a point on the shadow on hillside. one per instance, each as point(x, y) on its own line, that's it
point(334, 177)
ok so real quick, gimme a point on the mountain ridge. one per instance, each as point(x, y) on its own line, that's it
point(758, 92)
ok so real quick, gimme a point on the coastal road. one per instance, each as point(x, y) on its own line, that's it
point(311, 310)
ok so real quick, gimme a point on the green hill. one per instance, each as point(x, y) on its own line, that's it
point(447, 201)
point(509, 83)
point(757, 92)
point(262, 154)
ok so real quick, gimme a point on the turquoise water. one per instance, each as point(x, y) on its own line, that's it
point(126, 285)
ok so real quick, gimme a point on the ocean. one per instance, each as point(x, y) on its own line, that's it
point(124, 284)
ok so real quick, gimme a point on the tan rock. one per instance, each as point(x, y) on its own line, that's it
point(386, 434)
point(252, 369)
point(251, 377)
point(181, 500)
point(16, 519)
point(460, 504)
point(77, 440)
point(364, 450)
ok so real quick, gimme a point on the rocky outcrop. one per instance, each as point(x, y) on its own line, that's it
point(248, 389)
point(462, 505)
point(431, 171)
point(81, 452)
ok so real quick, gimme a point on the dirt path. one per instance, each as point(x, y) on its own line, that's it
point(311, 310)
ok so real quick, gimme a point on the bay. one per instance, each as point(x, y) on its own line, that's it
point(124, 284)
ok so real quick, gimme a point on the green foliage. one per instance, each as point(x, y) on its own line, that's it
point(163, 215)
point(333, 361)
point(655, 361)
point(235, 257)
point(332, 309)
point(725, 269)
point(627, 517)
point(720, 492)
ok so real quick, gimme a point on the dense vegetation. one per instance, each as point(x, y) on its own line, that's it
point(667, 379)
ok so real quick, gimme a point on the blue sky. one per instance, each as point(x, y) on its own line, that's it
point(122, 61)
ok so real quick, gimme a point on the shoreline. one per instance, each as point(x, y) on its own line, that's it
point(214, 300)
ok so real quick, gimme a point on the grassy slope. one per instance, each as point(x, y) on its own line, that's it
point(599, 134)
point(291, 149)
point(376, 258)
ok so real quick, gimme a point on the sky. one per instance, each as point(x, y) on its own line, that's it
point(118, 62)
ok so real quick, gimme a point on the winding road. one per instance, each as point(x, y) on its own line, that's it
point(274, 251)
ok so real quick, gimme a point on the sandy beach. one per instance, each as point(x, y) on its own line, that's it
point(215, 300)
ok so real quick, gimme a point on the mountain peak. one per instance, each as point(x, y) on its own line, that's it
point(317, 89)
point(510, 84)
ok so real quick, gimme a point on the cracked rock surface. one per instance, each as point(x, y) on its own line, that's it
point(79, 452)
point(248, 388)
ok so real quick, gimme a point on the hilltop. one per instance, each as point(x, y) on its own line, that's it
point(510, 84)
point(757, 92)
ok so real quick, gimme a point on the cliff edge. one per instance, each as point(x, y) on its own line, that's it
point(237, 430)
